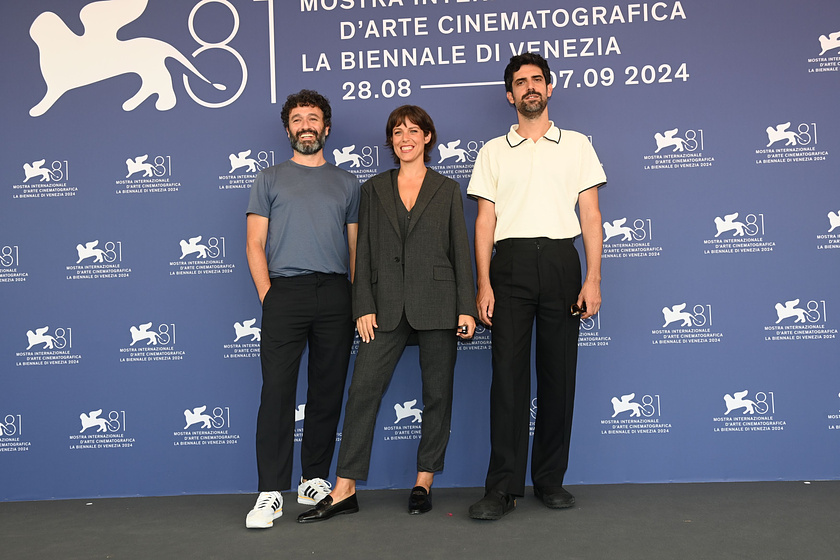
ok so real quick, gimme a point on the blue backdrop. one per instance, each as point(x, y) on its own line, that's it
point(129, 355)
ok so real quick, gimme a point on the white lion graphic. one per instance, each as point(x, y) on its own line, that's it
point(193, 246)
point(143, 333)
point(833, 220)
point(40, 336)
point(139, 164)
point(616, 228)
point(738, 401)
point(676, 313)
point(779, 133)
point(92, 419)
point(197, 416)
point(625, 404)
point(450, 150)
point(407, 410)
point(668, 139)
point(36, 169)
point(70, 61)
point(241, 159)
point(89, 250)
point(827, 43)
point(247, 328)
point(346, 154)
point(788, 310)
point(728, 223)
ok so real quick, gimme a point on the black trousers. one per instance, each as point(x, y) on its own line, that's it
point(374, 368)
point(533, 280)
point(313, 309)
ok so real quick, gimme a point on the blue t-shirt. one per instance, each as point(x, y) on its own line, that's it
point(307, 210)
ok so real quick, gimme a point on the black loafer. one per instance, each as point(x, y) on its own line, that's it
point(554, 497)
point(493, 505)
point(419, 501)
point(325, 509)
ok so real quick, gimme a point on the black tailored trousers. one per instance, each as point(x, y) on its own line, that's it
point(372, 373)
point(533, 280)
point(312, 309)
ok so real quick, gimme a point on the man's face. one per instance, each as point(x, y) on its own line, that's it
point(306, 131)
point(529, 92)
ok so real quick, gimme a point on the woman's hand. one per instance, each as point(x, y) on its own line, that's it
point(469, 321)
point(365, 325)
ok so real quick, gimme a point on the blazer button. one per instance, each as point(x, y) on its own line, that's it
point(396, 259)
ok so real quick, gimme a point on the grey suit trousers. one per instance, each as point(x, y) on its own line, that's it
point(375, 364)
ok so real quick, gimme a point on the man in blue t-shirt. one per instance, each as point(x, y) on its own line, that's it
point(299, 259)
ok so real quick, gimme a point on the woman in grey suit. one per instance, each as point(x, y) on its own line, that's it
point(413, 274)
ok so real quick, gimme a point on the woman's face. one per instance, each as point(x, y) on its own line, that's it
point(409, 142)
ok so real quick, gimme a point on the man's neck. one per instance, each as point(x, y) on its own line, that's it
point(533, 128)
point(309, 160)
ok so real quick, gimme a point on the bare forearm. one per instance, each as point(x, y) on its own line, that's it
point(255, 243)
point(590, 224)
point(258, 266)
point(352, 240)
point(485, 226)
point(593, 247)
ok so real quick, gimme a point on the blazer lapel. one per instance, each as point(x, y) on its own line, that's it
point(384, 189)
point(431, 183)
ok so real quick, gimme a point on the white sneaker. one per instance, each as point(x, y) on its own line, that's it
point(313, 491)
point(269, 507)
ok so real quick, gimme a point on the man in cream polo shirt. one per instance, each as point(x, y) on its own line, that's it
point(527, 184)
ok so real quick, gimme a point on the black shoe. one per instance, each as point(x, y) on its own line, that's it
point(554, 497)
point(325, 509)
point(493, 505)
point(420, 500)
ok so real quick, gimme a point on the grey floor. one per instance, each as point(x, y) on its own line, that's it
point(765, 520)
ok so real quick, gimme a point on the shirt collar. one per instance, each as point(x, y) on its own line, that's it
point(514, 139)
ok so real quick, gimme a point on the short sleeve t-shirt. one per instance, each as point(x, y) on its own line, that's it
point(307, 210)
point(535, 185)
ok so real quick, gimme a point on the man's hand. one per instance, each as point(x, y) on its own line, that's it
point(590, 294)
point(485, 301)
point(365, 325)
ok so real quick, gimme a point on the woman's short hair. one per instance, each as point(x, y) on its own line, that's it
point(416, 115)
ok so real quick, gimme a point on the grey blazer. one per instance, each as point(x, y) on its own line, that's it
point(438, 283)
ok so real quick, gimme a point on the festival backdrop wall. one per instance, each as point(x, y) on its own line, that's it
point(132, 129)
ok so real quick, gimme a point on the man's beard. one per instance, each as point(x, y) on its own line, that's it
point(308, 148)
point(531, 109)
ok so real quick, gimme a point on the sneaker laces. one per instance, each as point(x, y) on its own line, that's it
point(267, 500)
point(321, 485)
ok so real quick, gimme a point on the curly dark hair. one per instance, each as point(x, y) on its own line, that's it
point(306, 98)
point(520, 60)
point(417, 116)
